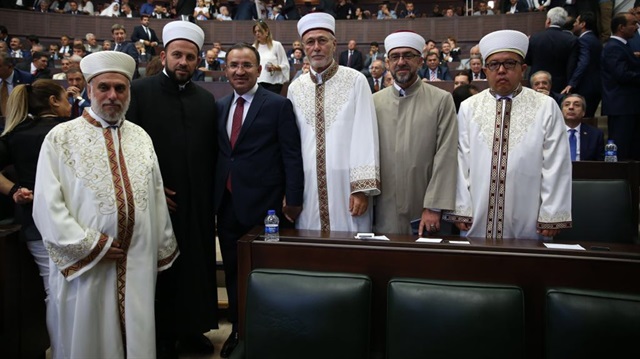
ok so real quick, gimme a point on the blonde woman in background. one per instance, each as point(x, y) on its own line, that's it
point(273, 59)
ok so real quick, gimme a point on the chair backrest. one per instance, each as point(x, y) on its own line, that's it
point(592, 324)
point(295, 314)
point(601, 211)
point(443, 319)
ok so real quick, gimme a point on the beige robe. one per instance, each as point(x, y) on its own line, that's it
point(418, 154)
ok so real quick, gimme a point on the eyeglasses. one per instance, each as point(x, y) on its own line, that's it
point(508, 65)
point(407, 56)
point(244, 65)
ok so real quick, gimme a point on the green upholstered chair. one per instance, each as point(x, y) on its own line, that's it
point(601, 211)
point(592, 324)
point(306, 315)
point(442, 319)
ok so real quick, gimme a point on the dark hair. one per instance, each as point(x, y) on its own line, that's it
point(617, 21)
point(243, 45)
point(31, 99)
point(374, 43)
point(145, 15)
point(154, 66)
point(463, 73)
point(79, 47)
point(462, 93)
point(33, 38)
point(590, 21)
point(39, 54)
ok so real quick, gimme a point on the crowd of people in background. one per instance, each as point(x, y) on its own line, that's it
point(416, 139)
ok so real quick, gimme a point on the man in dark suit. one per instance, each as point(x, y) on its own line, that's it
point(621, 86)
point(433, 71)
point(290, 10)
point(376, 81)
point(10, 78)
point(38, 67)
point(120, 44)
point(77, 92)
point(374, 54)
point(588, 139)
point(259, 165)
point(16, 51)
point(475, 68)
point(210, 61)
point(352, 57)
point(514, 6)
point(66, 48)
point(146, 35)
point(585, 80)
point(246, 10)
point(554, 50)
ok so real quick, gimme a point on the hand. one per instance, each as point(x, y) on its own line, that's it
point(463, 226)
point(291, 213)
point(114, 252)
point(23, 195)
point(543, 91)
point(566, 90)
point(548, 232)
point(73, 92)
point(358, 204)
point(430, 221)
point(173, 207)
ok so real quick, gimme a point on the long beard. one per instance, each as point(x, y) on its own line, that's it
point(181, 80)
point(111, 118)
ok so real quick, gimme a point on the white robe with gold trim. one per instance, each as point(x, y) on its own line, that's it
point(350, 143)
point(93, 186)
point(514, 167)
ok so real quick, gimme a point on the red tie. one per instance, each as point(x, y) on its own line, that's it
point(75, 108)
point(236, 125)
point(376, 87)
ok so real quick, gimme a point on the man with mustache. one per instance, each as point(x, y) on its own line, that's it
point(339, 133)
point(180, 117)
point(418, 141)
point(102, 214)
point(514, 167)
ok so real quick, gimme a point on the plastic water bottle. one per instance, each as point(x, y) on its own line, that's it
point(610, 152)
point(271, 227)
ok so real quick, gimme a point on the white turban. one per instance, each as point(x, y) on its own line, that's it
point(107, 61)
point(183, 30)
point(504, 40)
point(316, 20)
point(404, 38)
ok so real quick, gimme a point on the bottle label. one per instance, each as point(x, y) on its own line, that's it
point(610, 153)
point(271, 229)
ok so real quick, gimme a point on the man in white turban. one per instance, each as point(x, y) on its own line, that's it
point(99, 205)
point(418, 141)
point(339, 135)
point(514, 168)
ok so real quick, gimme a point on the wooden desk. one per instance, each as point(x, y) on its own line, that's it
point(525, 263)
point(23, 333)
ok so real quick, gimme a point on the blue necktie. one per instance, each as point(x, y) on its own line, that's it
point(572, 144)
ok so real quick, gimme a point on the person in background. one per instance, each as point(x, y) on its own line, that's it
point(273, 59)
point(586, 143)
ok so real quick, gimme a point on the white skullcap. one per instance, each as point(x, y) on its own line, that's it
point(404, 38)
point(183, 30)
point(316, 20)
point(101, 62)
point(504, 40)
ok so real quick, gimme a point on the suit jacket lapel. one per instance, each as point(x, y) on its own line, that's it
point(254, 108)
point(222, 122)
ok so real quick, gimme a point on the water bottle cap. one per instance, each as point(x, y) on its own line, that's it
point(271, 212)
point(609, 141)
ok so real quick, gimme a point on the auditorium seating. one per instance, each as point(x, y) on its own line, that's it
point(446, 319)
point(295, 314)
point(601, 212)
point(592, 324)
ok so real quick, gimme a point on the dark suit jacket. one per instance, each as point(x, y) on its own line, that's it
point(290, 10)
point(483, 76)
point(140, 34)
point(246, 10)
point(634, 43)
point(620, 79)
point(216, 65)
point(521, 6)
point(82, 105)
point(381, 83)
point(130, 49)
point(26, 67)
point(266, 162)
point(442, 73)
point(20, 78)
point(584, 79)
point(198, 75)
point(591, 143)
point(556, 52)
point(357, 60)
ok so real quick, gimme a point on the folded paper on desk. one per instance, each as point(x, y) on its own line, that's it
point(564, 246)
point(372, 236)
point(429, 240)
point(459, 242)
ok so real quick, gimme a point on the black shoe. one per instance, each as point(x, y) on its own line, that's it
point(198, 344)
point(230, 344)
point(166, 350)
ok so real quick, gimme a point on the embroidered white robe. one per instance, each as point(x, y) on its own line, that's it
point(514, 167)
point(95, 185)
point(339, 137)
